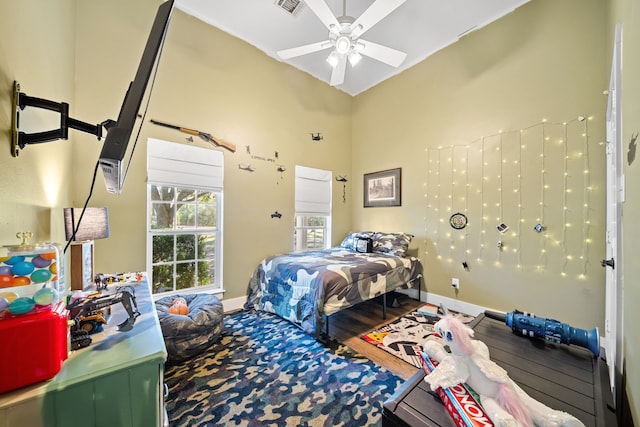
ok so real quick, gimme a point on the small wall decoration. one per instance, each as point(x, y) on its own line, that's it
point(502, 227)
point(343, 180)
point(458, 221)
point(383, 188)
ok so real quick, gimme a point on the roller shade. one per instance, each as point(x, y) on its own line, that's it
point(313, 191)
point(181, 165)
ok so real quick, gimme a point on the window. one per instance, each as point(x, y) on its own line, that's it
point(312, 228)
point(184, 200)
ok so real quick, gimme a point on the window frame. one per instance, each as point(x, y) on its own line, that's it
point(326, 230)
point(177, 231)
point(185, 168)
point(312, 181)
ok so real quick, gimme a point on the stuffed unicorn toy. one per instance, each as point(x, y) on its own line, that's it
point(506, 404)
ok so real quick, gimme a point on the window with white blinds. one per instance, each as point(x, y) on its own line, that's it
point(312, 208)
point(184, 223)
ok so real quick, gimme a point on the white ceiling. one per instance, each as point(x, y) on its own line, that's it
point(418, 27)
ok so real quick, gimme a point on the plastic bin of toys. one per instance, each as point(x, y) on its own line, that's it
point(33, 321)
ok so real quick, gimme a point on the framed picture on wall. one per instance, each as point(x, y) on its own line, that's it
point(382, 188)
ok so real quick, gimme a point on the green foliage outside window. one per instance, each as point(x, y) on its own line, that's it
point(309, 232)
point(183, 226)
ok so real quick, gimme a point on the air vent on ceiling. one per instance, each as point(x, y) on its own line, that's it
point(292, 7)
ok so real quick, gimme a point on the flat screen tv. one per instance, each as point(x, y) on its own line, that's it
point(119, 142)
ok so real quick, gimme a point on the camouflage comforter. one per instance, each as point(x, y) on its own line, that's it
point(302, 286)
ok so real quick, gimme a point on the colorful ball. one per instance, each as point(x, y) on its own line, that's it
point(21, 305)
point(6, 280)
point(41, 262)
point(45, 296)
point(49, 255)
point(14, 260)
point(40, 276)
point(8, 295)
point(21, 281)
point(23, 268)
point(5, 269)
point(4, 303)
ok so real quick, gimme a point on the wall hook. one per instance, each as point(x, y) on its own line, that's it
point(343, 180)
point(317, 136)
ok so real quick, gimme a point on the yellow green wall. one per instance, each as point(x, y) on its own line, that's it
point(210, 81)
point(37, 48)
point(548, 60)
point(531, 65)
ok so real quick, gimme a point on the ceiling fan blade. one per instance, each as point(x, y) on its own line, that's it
point(381, 53)
point(374, 14)
point(337, 75)
point(303, 50)
point(322, 11)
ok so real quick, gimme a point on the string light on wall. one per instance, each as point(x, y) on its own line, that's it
point(482, 203)
point(500, 199)
point(586, 184)
point(426, 198)
point(460, 183)
point(466, 201)
point(565, 209)
point(452, 170)
point(543, 248)
point(440, 220)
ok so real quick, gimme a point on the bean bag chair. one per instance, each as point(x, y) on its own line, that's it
point(186, 336)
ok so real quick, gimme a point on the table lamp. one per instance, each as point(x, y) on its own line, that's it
point(82, 230)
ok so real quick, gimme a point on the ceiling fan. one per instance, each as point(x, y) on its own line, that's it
point(344, 37)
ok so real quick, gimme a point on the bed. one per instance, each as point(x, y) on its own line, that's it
point(307, 287)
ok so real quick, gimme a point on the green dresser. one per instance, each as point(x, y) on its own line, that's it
point(117, 381)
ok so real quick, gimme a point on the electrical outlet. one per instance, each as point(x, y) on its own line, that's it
point(455, 283)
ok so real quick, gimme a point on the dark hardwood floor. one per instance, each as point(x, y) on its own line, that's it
point(347, 326)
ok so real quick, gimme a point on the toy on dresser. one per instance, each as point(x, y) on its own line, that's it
point(504, 402)
point(33, 322)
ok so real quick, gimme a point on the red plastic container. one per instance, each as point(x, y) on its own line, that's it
point(33, 346)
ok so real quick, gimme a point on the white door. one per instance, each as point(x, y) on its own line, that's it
point(615, 198)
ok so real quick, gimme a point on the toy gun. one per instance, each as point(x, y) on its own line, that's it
point(204, 136)
point(551, 330)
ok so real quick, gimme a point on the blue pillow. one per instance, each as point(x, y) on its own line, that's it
point(350, 242)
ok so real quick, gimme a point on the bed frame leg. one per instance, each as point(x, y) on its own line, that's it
point(326, 325)
point(384, 306)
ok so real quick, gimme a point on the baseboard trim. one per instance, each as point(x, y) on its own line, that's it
point(448, 303)
point(456, 305)
point(233, 304)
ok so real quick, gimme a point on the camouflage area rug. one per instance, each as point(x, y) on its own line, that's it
point(266, 372)
point(405, 337)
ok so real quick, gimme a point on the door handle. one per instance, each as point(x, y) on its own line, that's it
point(608, 263)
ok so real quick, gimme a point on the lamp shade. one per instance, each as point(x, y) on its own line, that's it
point(94, 224)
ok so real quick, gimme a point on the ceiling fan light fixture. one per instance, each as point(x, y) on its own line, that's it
point(343, 44)
point(333, 58)
point(354, 58)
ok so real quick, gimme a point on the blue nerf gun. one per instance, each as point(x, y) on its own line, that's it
point(551, 330)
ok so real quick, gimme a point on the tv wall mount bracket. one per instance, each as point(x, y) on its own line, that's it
point(19, 140)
